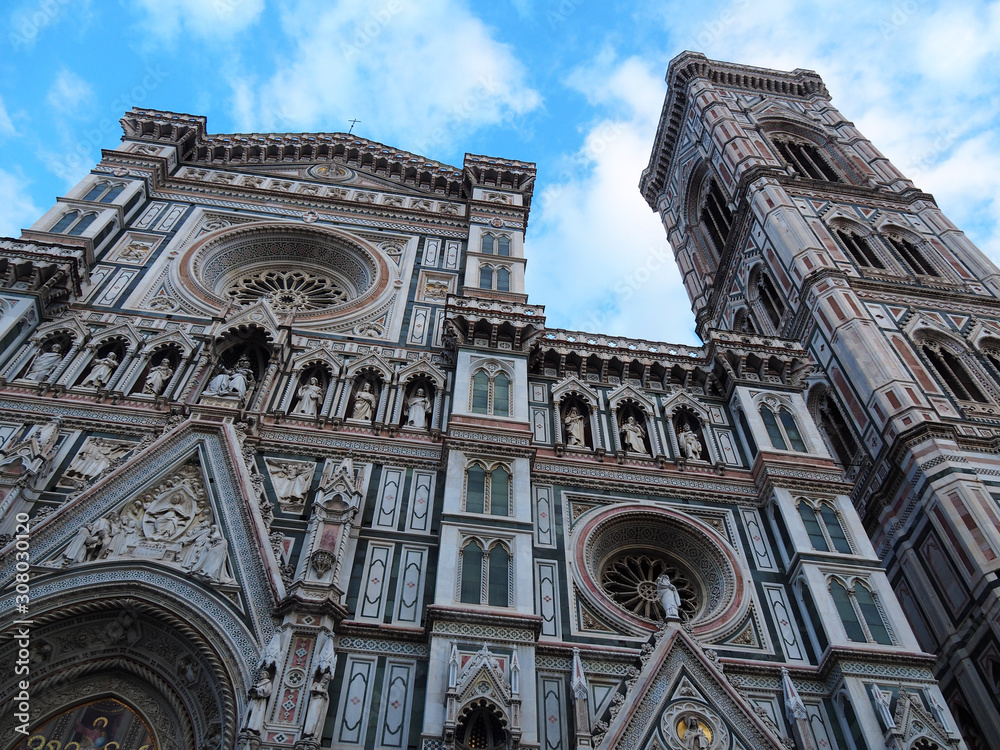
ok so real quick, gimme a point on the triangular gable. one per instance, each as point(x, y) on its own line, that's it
point(178, 338)
point(680, 399)
point(628, 393)
point(913, 721)
point(216, 449)
point(657, 712)
point(573, 384)
point(258, 314)
point(372, 361)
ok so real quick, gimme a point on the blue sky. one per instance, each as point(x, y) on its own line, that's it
point(574, 85)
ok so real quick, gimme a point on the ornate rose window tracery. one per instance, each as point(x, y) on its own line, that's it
point(631, 581)
point(289, 289)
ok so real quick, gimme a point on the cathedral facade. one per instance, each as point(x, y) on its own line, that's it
point(290, 461)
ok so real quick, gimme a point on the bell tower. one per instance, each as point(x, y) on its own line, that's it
point(787, 222)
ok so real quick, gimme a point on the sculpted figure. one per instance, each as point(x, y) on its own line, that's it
point(44, 363)
point(219, 385)
point(310, 399)
point(418, 406)
point(632, 436)
point(574, 423)
point(258, 695)
point(242, 379)
point(319, 692)
point(211, 560)
point(93, 540)
point(101, 370)
point(695, 737)
point(364, 403)
point(158, 377)
point(689, 443)
point(94, 458)
point(669, 597)
point(291, 481)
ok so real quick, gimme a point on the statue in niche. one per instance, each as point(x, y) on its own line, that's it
point(365, 402)
point(94, 458)
point(158, 378)
point(574, 422)
point(235, 383)
point(669, 598)
point(689, 443)
point(44, 363)
point(258, 695)
point(695, 737)
point(101, 370)
point(93, 540)
point(319, 692)
point(291, 480)
point(310, 399)
point(633, 436)
point(418, 408)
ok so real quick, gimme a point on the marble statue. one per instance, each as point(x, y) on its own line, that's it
point(94, 458)
point(235, 383)
point(210, 562)
point(669, 598)
point(310, 399)
point(92, 540)
point(101, 370)
point(219, 384)
point(695, 737)
point(158, 378)
point(633, 435)
point(257, 705)
point(418, 407)
point(689, 443)
point(290, 480)
point(574, 423)
point(44, 363)
point(364, 403)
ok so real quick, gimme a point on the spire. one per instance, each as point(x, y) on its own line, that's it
point(795, 709)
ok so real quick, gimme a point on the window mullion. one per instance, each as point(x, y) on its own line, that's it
point(853, 597)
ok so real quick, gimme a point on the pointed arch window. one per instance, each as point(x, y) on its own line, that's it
point(65, 221)
point(104, 192)
point(770, 300)
point(503, 280)
point(81, 226)
point(837, 431)
point(953, 371)
point(859, 250)
point(826, 533)
point(486, 245)
point(782, 430)
point(860, 613)
point(912, 256)
point(486, 277)
point(487, 490)
point(716, 217)
point(491, 394)
point(503, 246)
point(485, 574)
point(806, 159)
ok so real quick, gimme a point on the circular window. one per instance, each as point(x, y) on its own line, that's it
point(620, 551)
point(312, 271)
point(631, 581)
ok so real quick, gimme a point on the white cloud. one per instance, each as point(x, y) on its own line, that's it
point(420, 76)
point(203, 18)
point(16, 207)
point(598, 253)
point(69, 92)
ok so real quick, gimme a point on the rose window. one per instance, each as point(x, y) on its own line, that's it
point(288, 290)
point(630, 581)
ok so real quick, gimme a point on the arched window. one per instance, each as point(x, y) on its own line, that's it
point(783, 430)
point(837, 431)
point(806, 159)
point(503, 246)
point(487, 490)
point(96, 192)
point(953, 372)
point(770, 300)
point(113, 193)
point(481, 730)
point(475, 489)
point(824, 528)
point(912, 256)
point(503, 280)
point(486, 245)
point(81, 226)
point(65, 221)
point(716, 217)
point(499, 577)
point(472, 574)
point(485, 578)
point(104, 192)
point(858, 249)
point(501, 395)
point(485, 277)
point(860, 613)
point(491, 395)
